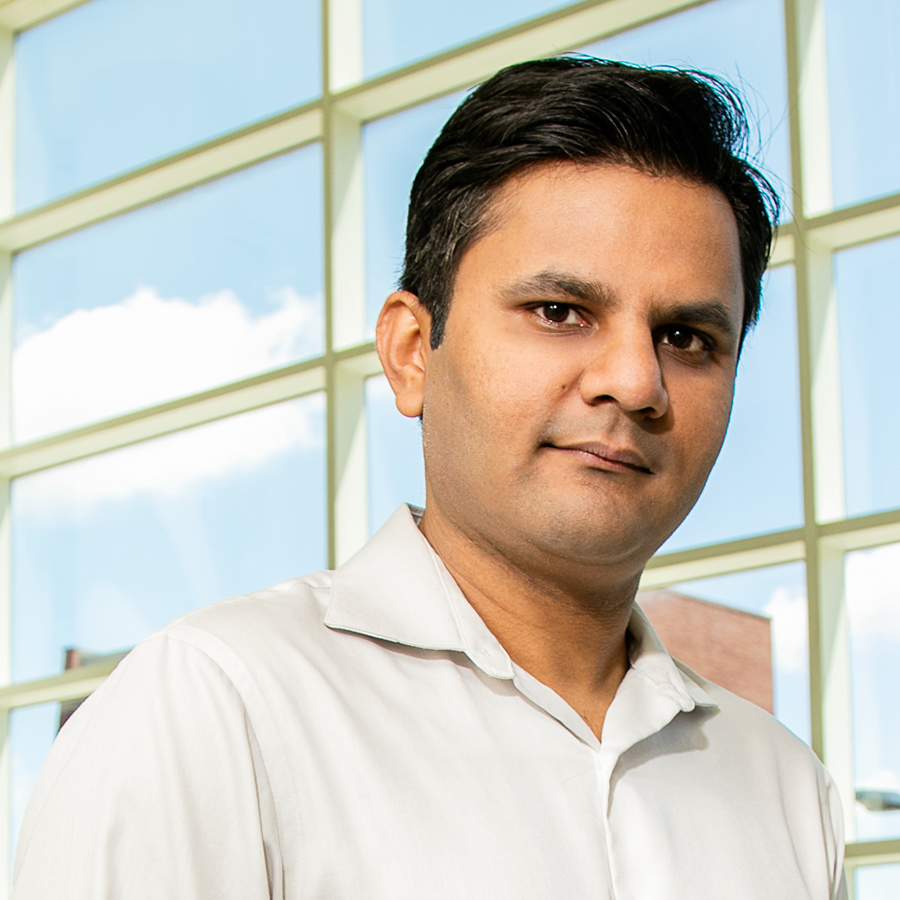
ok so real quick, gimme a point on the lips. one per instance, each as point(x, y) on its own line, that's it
point(605, 456)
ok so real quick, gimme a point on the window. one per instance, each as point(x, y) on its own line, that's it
point(230, 178)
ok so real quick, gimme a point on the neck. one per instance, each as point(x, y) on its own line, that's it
point(565, 624)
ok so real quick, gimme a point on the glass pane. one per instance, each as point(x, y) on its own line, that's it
point(397, 32)
point(865, 129)
point(868, 319)
point(873, 608)
point(110, 86)
point(740, 40)
point(762, 654)
point(756, 484)
point(393, 149)
point(214, 284)
point(32, 730)
point(877, 882)
point(110, 548)
point(396, 468)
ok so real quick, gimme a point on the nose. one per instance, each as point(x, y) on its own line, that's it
point(623, 367)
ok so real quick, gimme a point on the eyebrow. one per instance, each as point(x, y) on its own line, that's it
point(560, 285)
point(712, 313)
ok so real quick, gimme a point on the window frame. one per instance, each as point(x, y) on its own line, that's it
point(808, 242)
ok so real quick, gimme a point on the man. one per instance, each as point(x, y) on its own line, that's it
point(474, 707)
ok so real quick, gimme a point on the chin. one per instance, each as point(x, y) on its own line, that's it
point(596, 540)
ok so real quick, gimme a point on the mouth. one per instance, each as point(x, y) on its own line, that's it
point(602, 456)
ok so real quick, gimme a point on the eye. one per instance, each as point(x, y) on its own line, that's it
point(559, 314)
point(683, 338)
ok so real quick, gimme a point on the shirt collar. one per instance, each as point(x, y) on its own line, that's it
point(397, 589)
point(650, 658)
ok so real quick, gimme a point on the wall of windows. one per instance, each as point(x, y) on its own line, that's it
point(201, 211)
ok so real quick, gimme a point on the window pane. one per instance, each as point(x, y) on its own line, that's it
point(214, 284)
point(756, 484)
point(868, 319)
point(110, 548)
point(32, 730)
point(741, 40)
point(877, 882)
point(393, 149)
point(873, 608)
point(397, 32)
point(396, 468)
point(762, 656)
point(863, 99)
point(110, 86)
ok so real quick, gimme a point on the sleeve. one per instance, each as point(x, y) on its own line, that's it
point(152, 790)
point(840, 892)
point(833, 815)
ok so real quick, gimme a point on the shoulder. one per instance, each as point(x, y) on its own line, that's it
point(190, 702)
point(753, 745)
point(260, 625)
point(211, 659)
point(777, 777)
point(291, 603)
point(166, 743)
point(738, 721)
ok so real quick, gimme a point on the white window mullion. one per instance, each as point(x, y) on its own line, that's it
point(832, 673)
point(832, 719)
point(814, 129)
point(344, 45)
point(7, 206)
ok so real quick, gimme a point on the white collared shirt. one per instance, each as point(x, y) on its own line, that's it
point(361, 735)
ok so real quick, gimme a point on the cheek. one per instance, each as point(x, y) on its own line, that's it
point(487, 407)
point(709, 422)
point(699, 401)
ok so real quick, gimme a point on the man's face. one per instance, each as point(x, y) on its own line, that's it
point(584, 383)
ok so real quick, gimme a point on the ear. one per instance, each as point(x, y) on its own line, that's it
point(402, 339)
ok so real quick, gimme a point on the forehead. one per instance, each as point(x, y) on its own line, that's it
point(613, 224)
point(612, 191)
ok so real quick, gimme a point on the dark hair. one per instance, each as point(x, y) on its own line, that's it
point(663, 121)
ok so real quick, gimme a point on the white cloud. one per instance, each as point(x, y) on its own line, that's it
point(787, 610)
point(93, 364)
point(873, 594)
point(170, 465)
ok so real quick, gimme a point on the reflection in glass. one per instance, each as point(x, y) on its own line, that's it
point(868, 319)
point(397, 32)
point(31, 733)
point(756, 484)
point(864, 134)
point(877, 882)
point(778, 595)
point(214, 284)
point(740, 40)
point(110, 548)
point(110, 86)
point(393, 149)
point(873, 608)
point(396, 468)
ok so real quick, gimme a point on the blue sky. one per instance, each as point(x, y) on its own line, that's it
point(115, 84)
point(398, 32)
point(863, 98)
point(227, 280)
point(868, 317)
point(214, 284)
